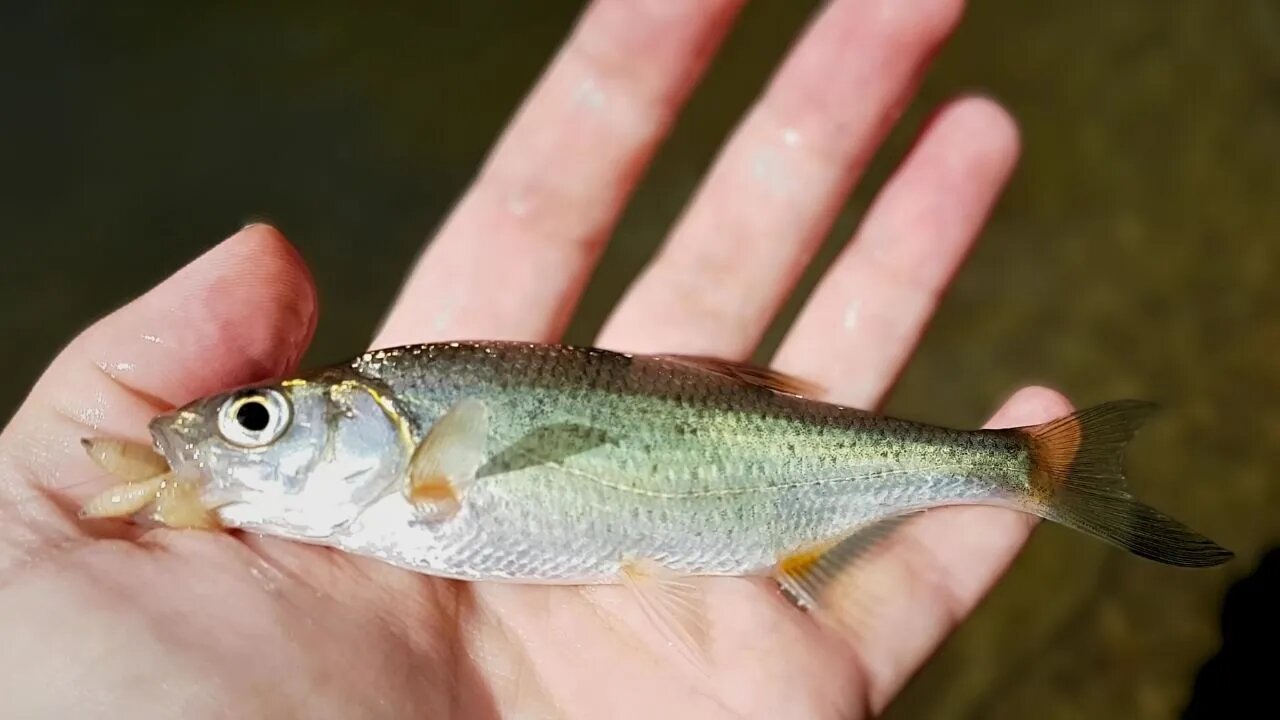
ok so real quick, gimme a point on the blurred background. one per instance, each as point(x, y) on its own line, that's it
point(1134, 255)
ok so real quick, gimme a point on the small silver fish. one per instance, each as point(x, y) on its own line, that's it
point(552, 464)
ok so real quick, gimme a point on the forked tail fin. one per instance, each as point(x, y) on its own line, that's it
point(1077, 479)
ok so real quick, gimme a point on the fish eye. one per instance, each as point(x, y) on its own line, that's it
point(254, 418)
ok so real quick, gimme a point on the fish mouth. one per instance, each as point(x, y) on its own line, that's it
point(172, 435)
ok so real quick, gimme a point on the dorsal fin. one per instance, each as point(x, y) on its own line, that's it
point(749, 374)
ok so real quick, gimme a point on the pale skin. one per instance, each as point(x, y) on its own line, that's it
point(104, 618)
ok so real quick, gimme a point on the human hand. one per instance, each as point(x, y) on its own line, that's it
point(178, 623)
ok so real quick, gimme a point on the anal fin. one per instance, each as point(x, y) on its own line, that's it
point(828, 580)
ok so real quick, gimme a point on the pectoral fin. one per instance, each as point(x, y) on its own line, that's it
point(826, 580)
point(674, 605)
point(446, 460)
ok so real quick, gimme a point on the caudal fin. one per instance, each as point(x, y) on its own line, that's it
point(1077, 479)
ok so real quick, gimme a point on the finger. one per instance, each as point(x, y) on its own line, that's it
point(512, 259)
point(856, 333)
point(875, 301)
point(936, 570)
point(777, 186)
point(243, 311)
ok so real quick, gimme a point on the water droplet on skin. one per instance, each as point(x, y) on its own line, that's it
point(443, 316)
point(518, 204)
point(589, 95)
point(153, 339)
point(769, 168)
point(266, 575)
point(92, 416)
point(116, 368)
point(851, 314)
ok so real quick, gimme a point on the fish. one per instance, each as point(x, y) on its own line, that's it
point(558, 464)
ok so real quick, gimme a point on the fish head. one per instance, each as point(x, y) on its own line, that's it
point(299, 458)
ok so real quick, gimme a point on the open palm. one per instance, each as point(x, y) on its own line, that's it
point(108, 620)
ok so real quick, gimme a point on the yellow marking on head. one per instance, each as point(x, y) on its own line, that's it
point(296, 382)
point(402, 426)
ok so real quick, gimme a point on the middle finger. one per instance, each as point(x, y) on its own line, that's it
point(776, 188)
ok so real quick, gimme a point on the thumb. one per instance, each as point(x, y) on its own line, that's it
point(242, 312)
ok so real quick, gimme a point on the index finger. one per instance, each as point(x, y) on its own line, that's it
point(513, 257)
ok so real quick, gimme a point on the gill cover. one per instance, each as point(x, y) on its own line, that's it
point(301, 458)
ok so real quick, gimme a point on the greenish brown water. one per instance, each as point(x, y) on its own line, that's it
point(1135, 254)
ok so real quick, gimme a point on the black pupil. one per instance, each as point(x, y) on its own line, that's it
point(253, 416)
